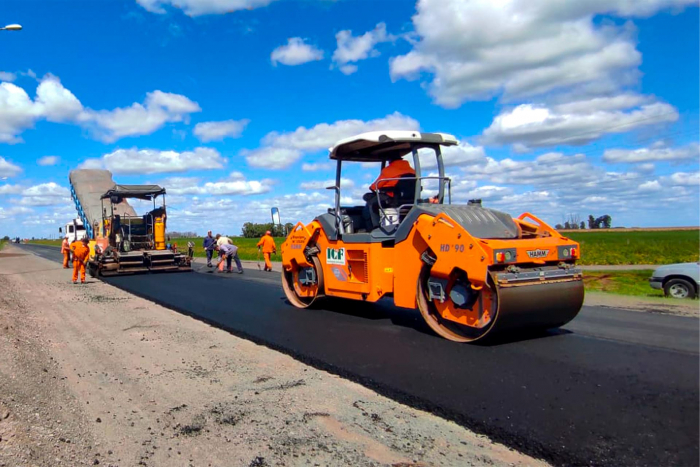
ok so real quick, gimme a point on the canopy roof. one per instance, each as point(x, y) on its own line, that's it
point(147, 192)
point(377, 146)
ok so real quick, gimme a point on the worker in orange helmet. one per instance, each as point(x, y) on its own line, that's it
point(384, 185)
point(81, 252)
point(65, 251)
point(267, 244)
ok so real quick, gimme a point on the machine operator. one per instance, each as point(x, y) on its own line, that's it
point(395, 169)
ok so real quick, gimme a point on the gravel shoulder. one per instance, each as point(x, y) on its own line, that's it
point(92, 375)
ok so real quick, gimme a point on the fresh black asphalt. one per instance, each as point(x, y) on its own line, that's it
point(613, 387)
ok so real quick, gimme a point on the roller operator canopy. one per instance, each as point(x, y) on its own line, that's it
point(147, 192)
point(378, 146)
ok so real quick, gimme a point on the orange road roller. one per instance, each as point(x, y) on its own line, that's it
point(470, 270)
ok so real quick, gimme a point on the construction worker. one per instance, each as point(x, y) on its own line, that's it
point(222, 240)
point(229, 252)
point(81, 252)
point(208, 245)
point(267, 245)
point(395, 169)
point(65, 251)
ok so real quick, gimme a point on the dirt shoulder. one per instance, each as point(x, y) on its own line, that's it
point(644, 304)
point(91, 375)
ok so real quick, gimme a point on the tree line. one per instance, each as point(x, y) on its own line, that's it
point(252, 230)
point(573, 222)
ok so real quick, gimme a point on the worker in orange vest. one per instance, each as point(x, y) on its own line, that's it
point(65, 251)
point(267, 244)
point(81, 252)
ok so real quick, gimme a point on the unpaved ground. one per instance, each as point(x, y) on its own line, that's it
point(90, 375)
point(671, 306)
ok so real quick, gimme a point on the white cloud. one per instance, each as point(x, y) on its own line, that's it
point(453, 156)
point(48, 160)
point(238, 187)
point(158, 109)
point(46, 189)
point(652, 185)
point(55, 103)
point(271, 157)
point(295, 52)
point(317, 166)
point(351, 49)
point(685, 179)
point(44, 194)
point(202, 7)
point(7, 189)
point(151, 161)
point(281, 150)
point(577, 123)
point(216, 131)
point(8, 169)
point(656, 153)
point(345, 183)
point(7, 76)
point(480, 48)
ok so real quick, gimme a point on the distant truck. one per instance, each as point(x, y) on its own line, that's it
point(74, 230)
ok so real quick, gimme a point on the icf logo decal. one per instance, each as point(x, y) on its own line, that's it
point(537, 253)
point(335, 256)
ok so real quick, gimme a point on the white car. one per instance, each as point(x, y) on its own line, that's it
point(681, 280)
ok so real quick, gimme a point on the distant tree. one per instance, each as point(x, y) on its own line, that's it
point(567, 225)
point(607, 221)
point(288, 227)
point(5, 238)
point(252, 230)
point(558, 226)
point(574, 220)
point(583, 225)
point(591, 222)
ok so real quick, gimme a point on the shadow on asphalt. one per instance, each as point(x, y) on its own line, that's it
point(408, 318)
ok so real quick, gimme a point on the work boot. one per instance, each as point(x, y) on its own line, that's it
point(75, 282)
point(240, 272)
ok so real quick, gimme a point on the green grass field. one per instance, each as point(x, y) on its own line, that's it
point(659, 247)
point(621, 282)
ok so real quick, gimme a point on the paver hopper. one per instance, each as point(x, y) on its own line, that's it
point(470, 270)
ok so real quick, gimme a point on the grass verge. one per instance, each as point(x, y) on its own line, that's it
point(635, 283)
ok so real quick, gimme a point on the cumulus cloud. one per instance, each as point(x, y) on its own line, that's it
point(7, 189)
point(529, 126)
point(216, 131)
point(158, 109)
point(685, 179)
point(316, 166)
point(202, 7)
point(7, 76)
point(656, 153)
point(44, 194)
point(295, 52)
point(281, 150)
point(321, 185)
point(479, 48)
point(454, 156)
point(55, 103)
point(351, 49)
point(152, 161)
point(8, 169)
point(48, 160)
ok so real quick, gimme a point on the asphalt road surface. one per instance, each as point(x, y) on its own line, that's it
point(613, 387)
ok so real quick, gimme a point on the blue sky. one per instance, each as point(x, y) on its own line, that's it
point(561, 108)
